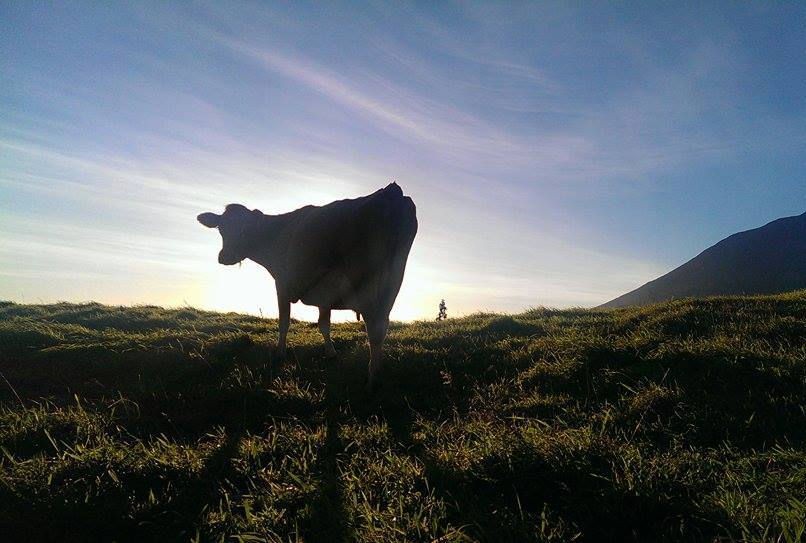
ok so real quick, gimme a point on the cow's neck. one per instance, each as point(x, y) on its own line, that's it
point(268, 249)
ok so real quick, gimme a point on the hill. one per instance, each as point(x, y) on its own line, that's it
point(765, 260)
point(683, 422)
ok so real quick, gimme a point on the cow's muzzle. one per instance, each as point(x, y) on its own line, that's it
point(227, 259)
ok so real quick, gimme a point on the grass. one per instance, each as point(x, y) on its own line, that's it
point(683, 421)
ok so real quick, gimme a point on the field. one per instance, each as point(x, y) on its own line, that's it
point(681, 421)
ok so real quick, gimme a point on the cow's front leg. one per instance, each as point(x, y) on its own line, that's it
point(284, 306)
point(324, 327)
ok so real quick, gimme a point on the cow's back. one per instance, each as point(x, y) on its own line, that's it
point(351, 254)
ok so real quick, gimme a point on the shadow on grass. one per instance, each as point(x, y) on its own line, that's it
point(328, 519)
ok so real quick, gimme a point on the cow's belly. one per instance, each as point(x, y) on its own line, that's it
point(333, 290)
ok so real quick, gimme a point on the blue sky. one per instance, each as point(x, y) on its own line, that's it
point(559, 153)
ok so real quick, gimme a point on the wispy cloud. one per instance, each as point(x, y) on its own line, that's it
point(392, 108)
point(643, 129)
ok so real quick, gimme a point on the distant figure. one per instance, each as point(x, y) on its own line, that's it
point(443, 311)
point(349, 254)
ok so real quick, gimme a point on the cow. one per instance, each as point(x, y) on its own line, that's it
point(348, 254)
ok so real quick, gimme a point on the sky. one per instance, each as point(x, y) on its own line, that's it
point(559, 154)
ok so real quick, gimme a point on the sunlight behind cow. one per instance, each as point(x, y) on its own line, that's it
point(249, 289)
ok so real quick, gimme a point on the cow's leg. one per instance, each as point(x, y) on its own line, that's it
point(284, 306)
point(376, 331)
point(324, 327)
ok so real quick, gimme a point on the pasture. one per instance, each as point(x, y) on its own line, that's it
point(684, 421)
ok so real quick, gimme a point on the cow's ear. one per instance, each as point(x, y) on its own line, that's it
point(210, 220)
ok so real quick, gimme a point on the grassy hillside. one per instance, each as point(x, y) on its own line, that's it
point(682, 421)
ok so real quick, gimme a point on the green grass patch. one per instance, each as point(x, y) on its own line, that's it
point(683, 421)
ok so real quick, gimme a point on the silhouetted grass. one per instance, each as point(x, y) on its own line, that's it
point(681, 421)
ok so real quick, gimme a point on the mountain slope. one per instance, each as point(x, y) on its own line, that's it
point(764, 260)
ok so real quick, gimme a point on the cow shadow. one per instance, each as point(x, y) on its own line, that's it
point(329, 520)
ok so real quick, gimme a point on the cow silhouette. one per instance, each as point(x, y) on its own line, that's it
point(349, 254)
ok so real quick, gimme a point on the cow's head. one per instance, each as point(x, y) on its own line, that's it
point(238, 227)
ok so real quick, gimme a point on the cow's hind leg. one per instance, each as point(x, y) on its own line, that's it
point(324, 327)
point(377, 326)
point(284, 307)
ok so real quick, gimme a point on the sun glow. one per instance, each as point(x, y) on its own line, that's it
point(248, 288)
